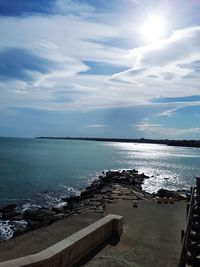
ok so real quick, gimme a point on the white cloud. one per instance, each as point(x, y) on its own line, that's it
point(165, 66)
point(169, 112)
point(179, 46)
point(73, 7)
point(158, 130)
point(97, 126)
point(156, 70)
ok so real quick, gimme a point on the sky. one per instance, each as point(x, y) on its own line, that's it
point(99, 68)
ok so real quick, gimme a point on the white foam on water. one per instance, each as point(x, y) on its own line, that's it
point(70, 190)
point(29, 206)
point(6, 231)
point(19, 226)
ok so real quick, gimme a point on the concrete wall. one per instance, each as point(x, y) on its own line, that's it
point(72, 249)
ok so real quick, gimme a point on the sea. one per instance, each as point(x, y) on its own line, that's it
point(44, 171)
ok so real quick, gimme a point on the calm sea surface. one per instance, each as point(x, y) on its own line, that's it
point(42, 171)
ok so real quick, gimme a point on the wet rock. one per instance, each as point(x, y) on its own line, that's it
point(19, 217)
point(89, 192)
point(85, 201)
point(169, 194)
point(109, 188)
point(58, 209)
point(96, 198)
point(144, 176)
point(40, 215)
point(33, 225)
point(74, 199)
point(8, 208)
point(95, 203)
point(10, 215)
point(19, 227)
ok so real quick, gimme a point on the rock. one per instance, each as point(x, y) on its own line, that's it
point(144, 176)
point(135, 204)
point(70, 206)
point(58, 210)
point(69, 214)
point(40, 215)
point(95, 203)
point(87, 209)
point(138, 195)
point(9, 215)
point(8, 208)
point(85, 201)
point(105, 190)
point(18, 217)
point(99, 210)
point(170, 194)
point(128, 197)
point(74, 199)
point(96, 199)
point(19, 227)
point(33, 225)
point(118, 192)
point(88, 192)
point(111, 200)
point(98, 196)
point(113, 196)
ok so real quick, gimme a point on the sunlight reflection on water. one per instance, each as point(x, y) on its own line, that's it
point(168, 167)
point(38, 171)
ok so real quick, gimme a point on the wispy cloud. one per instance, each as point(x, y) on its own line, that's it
point(168, 112)
point(82, 55)
point(63, 44)
point(157, 130)
point(97, 126)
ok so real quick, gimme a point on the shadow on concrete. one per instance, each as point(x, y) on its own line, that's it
point(113, 240)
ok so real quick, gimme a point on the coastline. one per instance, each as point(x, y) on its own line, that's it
point(179, 143)
point(109, 188)
point(152, 223)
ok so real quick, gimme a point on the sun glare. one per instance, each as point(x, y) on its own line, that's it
point(153, 28)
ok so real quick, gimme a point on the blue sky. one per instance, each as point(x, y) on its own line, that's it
point(123, 68)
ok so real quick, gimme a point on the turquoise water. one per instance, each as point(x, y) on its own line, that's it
point(42, 171)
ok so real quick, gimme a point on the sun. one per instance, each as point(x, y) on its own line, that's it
point(153, 28)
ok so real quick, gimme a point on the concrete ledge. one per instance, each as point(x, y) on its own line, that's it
point(72, 249)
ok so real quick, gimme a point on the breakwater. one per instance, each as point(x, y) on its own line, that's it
point(110, 187)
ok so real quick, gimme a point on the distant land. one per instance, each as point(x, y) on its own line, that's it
point(184, 143)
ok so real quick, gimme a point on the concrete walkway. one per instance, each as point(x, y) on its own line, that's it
point(151, 236)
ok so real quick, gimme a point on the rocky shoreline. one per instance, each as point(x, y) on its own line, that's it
point(110, 187)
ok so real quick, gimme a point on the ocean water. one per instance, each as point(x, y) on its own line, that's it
point(37, 171)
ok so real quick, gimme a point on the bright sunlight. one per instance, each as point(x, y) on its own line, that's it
point(153, 28)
